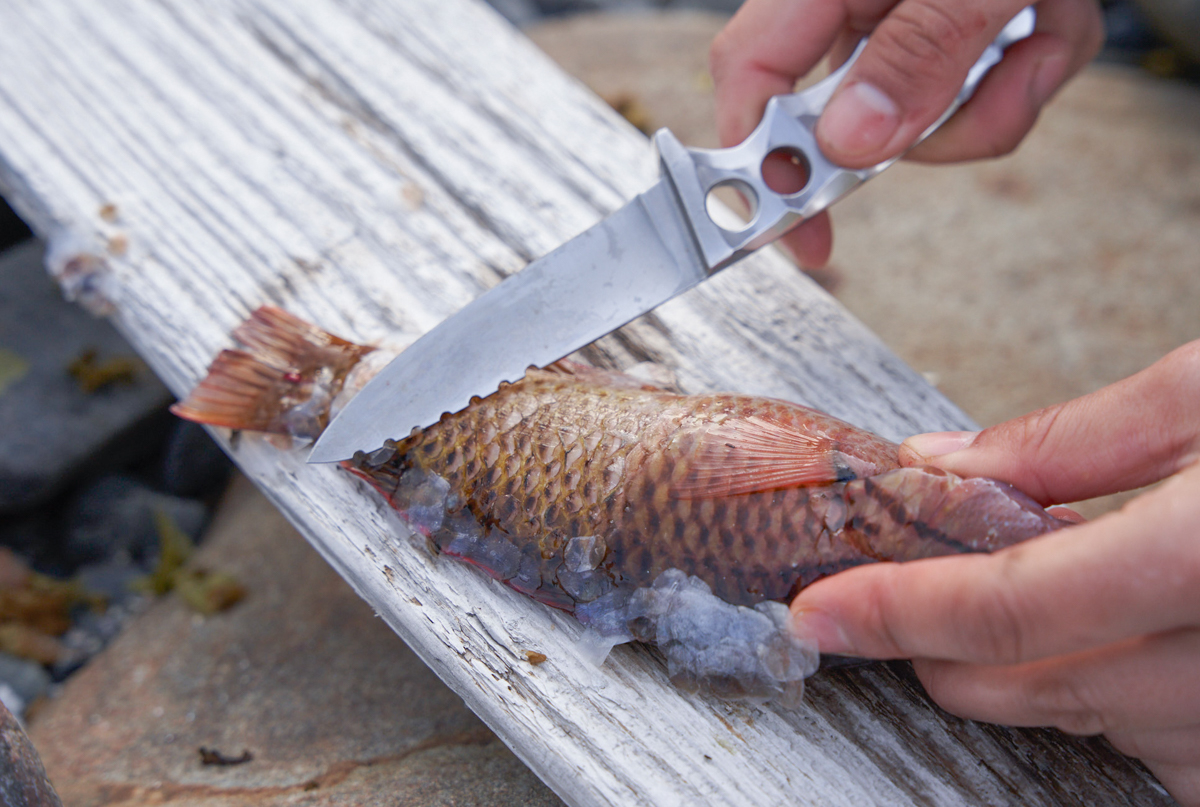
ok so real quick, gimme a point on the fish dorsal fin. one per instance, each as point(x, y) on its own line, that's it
point(755, 454)
point(586, 374)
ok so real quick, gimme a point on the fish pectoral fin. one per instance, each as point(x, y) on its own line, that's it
point(756, 454)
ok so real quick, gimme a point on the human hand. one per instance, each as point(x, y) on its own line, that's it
point(1095, 628)
point(910, 71)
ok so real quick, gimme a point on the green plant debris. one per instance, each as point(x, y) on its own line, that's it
point(208, 592)
point(93, 373)
point(174, 548)
point(204, 591)
point(13, 368)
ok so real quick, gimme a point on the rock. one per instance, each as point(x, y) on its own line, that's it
point(333, 708)
point(25, 679)
point(29, 534)
point(117, 514)
point(193, 465)
point(111, 578)
point(53, 427)
point(23, 781)
point(12, 229)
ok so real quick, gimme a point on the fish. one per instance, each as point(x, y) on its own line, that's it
point(686, 522)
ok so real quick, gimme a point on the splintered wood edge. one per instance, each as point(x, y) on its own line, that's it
point(372, 166)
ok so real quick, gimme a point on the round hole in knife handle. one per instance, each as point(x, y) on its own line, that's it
point(732, 205)
point(786, 170)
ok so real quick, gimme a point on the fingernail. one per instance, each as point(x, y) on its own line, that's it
point(859, 120)
point(1048, 76)
point(938, 444)
point(820, 627)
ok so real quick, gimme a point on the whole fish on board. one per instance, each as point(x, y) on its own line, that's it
point(684, 521)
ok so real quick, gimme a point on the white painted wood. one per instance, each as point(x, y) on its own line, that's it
point(372, 165)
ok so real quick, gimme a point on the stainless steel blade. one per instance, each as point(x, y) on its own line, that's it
point(657, 246)
point(636, 259)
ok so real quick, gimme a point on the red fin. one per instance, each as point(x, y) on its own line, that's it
point(230, 395)
point(283, 382)
point(754, 454)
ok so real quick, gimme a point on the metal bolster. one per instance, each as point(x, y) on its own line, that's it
point(788, 123)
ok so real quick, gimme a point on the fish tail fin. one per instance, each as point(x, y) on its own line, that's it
point(282, 381)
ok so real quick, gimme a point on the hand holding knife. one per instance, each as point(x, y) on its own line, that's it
point(657, 246)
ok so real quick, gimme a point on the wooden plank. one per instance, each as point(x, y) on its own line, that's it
point(372, 165)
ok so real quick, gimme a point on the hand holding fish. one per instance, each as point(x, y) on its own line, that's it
point(1093, 629)
point(913, 65)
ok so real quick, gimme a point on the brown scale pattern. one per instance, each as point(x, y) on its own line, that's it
point(585, 453)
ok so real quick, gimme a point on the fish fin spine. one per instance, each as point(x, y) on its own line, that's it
point(756, 454)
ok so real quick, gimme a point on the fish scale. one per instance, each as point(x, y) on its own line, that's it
point(747, 547)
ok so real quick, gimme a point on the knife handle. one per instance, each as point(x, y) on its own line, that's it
point(787, 127)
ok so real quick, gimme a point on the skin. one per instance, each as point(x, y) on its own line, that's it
point(1094, 629)
point(913, 65)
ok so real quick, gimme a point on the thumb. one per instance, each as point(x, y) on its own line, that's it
point(913, 65)
point(1126, 435)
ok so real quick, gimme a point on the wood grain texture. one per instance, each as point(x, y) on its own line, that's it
point(372, 165)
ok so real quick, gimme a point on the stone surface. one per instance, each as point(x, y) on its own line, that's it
point(50, 427)
point(1012, 283)
point(332, 706)
point(23, 781)
point(25, 680)
point(192, 464)
point(116, 514)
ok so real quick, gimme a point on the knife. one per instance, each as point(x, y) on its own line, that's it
point(660, 244)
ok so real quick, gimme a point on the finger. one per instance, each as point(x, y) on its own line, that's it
point(1139, 684)
point(1182, 781)
point(1007, 102)
point(1172, 747)
point(761, 52)
point(811, 242)
point(1122, 437)
point(913, 65)
point(1126, 574)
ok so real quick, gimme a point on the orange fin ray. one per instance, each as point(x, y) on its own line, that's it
point(283, 382)
point(755, 454)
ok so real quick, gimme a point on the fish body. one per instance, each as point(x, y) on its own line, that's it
point(680, 520)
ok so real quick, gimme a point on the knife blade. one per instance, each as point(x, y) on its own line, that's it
point(660, 244)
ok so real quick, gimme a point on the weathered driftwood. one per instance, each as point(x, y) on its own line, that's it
point(372, 165)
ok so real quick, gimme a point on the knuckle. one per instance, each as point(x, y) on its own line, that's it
point(1031, 443)
point(921, 43)
point(1001, 142)
point(723, 53)
point(880, 626)
point(995, 624)
point(1091, 30)
point(1129, 743)
point(1068, 703)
